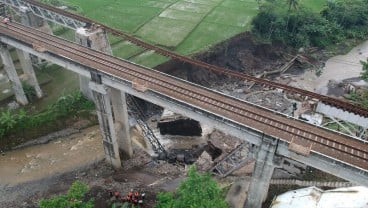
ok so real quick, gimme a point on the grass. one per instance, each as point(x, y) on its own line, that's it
point(126, 49)
point(199, 39)
point(232, 17)
point(316, 5)
point(149, 59)
point(184, 26)
point(63, 82)
point(175, 31)
point(182, 15)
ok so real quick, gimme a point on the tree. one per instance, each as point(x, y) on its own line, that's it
point(293, 4)
point(301, 28)
point(351, 15)
point(364, 74)
point(197, 190)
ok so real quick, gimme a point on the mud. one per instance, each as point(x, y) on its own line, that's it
point(240, 53)
point(31, 173)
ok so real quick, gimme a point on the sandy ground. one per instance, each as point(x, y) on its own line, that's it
point(336, 68)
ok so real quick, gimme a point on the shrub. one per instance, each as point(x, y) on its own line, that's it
point(197, 190)
point(29, 91)
point(298, 28)
point(66, 106)
point(364, 74)
point(73, 199)
point(351, 15)
point(302, 27)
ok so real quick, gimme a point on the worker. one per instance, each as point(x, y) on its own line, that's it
point(130, 195)
point(125, 198)
point(6, 20)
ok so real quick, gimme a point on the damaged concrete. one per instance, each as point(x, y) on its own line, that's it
point(175, 124)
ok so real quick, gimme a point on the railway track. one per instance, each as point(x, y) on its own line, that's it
point(325, 99)
point(335, 145)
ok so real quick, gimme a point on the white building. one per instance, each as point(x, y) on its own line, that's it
point(313, 197)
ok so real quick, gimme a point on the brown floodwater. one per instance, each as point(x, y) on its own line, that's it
point(56, 157)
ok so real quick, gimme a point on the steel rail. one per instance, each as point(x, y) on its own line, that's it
point(229, 107)
point(325, 99)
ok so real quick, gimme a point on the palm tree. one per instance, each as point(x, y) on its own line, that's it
point(293, 4)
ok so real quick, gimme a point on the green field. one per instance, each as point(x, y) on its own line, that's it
point(184, 26)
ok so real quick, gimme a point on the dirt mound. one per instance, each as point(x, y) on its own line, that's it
point(246, 55)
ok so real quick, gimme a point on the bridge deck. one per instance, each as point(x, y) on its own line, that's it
point(298, 133)
point(74, 21)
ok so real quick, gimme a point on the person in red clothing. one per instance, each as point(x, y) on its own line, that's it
point(130, 196)
point(6, 20)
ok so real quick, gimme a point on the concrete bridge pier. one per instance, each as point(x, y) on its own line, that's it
point(262, 173)
point(94, 38)
point(12, 75)
point(28, 18)
point(26, 63)
point(120, 110)
point(106, 121)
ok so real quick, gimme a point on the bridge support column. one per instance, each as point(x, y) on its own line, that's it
point(120, 109)
point(31, 20)
point(262, 173)
point(107, 126)
point(12, 75)
point(27, 67)
point(96, 39)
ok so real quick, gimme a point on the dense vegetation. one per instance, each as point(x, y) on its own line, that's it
point(73, 199)
point(12, 121)
point(292, 24)
point(361, 96)
point(196, 190)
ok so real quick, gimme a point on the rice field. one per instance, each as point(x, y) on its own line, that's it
point(184, 26)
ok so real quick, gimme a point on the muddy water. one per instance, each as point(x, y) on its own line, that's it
point(58, 156)
point(337, 68)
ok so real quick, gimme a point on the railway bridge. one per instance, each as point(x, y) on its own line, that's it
point(272, 135)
